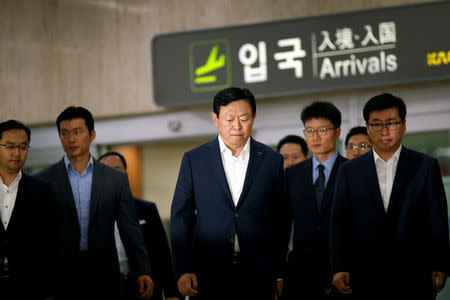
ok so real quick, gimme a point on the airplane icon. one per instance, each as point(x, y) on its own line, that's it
point(213, 63)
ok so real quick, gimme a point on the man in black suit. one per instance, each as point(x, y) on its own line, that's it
point(228, 223)
point(27, 234)
point(90, 197)
point(310, 185)
point(155, 238)
point(389, 232)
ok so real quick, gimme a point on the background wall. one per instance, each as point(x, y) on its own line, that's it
point(96, 53)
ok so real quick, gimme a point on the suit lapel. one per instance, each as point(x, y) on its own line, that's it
point(215, 160)
point(95, 189)
point(374, 185)
point(66, 189)
point(256, 155)
point(21, 196)
point(405, 169)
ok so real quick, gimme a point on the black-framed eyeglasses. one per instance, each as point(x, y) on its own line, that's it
point(389, 125)
point(12, 147)
point(362, 146)
point(321, 131)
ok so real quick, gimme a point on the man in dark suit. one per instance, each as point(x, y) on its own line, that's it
point(310, 185)
point(155, 238)
point(90, 197)
point(227, 228)
point(27, 234)
point(389, 233)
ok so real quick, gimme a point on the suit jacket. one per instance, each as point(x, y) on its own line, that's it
point(204, 218)
point(163, 274)
point(402, 245)
point(111, 201)
point(29, 240)
point(310, 254)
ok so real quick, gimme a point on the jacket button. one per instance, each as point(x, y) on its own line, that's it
point(236, 215)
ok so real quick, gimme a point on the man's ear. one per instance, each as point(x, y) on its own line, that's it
point(215, 118)
point(93, 135)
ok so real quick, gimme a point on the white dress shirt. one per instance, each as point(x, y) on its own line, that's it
point(235, 171)
point(386, 174)
point(8, 195)
point(123, 259)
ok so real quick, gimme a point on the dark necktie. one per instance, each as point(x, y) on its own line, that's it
point(319, 186)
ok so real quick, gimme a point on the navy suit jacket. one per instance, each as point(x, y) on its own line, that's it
point(204, 219)
point(29, 242)
point(111, 201)
point(402, 245)
point(310, 254)
point(158, 249)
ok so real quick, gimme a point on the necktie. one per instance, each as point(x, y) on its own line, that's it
point(319, 186)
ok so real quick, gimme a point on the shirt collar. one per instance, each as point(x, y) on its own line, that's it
point(15, 182)
point(224, 148)
point(395, 156)
point(328, 164)
point(70, 167)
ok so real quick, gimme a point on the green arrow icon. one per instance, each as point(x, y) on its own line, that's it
point(213, 63)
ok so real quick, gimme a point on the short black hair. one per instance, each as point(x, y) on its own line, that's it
point(75, 112)
point(325, 110)
point(224, 97)
point(384, 101)
point(354, 131)
point(113, 153)
point(295, 139)
point(14, 124)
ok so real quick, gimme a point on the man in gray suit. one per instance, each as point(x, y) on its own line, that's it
point(90, 198)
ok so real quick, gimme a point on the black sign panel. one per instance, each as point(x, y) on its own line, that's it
point(370, 48)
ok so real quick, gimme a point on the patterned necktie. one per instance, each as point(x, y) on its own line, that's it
point(319, 186)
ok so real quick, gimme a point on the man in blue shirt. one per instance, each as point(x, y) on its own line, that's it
point(90, 197)
point(310, 186)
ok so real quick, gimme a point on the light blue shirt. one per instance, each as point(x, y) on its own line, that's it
point(81, 189)
point(328, 164)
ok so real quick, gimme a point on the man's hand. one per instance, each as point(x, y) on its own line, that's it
point(279, 287)
point(187, 284)
point(146, 286)
point(438, 281)
point(342, 282)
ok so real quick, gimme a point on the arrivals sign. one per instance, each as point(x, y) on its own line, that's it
point(379, 47)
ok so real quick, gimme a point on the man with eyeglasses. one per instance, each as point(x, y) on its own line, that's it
point(27, 234)
point(310, 185)
point(357, 142)
point(389, 235)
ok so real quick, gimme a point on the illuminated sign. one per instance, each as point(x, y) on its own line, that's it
point(378, 47)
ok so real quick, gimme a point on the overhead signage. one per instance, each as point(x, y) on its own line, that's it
point(380, 47)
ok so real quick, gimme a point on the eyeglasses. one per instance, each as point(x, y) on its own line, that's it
point(362, 146)
point(389, 126)
point(12, 147)
point(321, 131)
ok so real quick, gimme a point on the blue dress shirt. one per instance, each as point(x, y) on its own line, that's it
point(328, 164)
point(81, 189)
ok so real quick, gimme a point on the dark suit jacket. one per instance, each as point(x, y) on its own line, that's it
point(111, 201)
point(158, 249)
point(29, 240)
point(403, 245)
point(204, 219)
point(310, 255)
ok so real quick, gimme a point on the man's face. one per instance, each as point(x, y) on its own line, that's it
point(114, 162)
point(292, 154)
point(385, 140)
point(360, 141)
point(321, 145)
point(235, 122)
point(12, 160)
point(75, 138)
